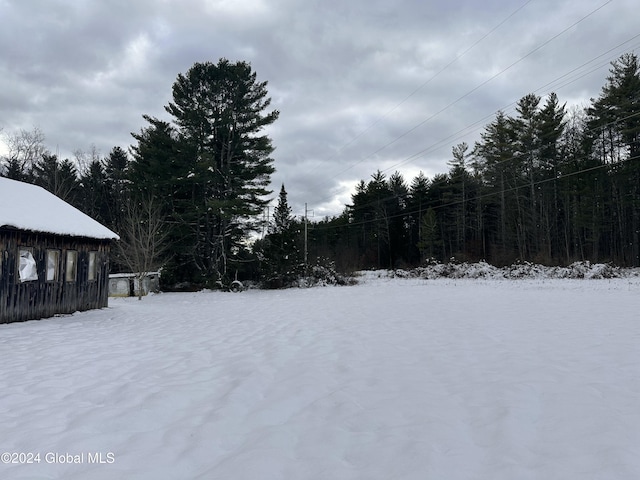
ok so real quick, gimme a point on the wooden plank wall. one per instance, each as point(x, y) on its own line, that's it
point(20, 301)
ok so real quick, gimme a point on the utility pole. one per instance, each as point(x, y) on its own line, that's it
point(306, 232)
point(265, 219)
point(306, 239)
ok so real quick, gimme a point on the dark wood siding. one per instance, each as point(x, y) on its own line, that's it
point(40, 298)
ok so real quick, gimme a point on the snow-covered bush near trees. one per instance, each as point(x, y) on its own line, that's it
point(520, 270)
point(322, 275)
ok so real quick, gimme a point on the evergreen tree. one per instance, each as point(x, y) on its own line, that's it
point(282, 217)
point(219, 112)
point(440, 202)
point(159, 170)
point(459, 181)
point(155, 169)
point(280, 249)
point(551, 126)
point(527, 158)
point(14, 169)
point(428, 234)
point(417, 205)
point(615, 119)
point(399, 247)
point(372, 209)
point(93, 192)
point(60, 178)
point(494, 157)
point(584, 183)
point(117, 186)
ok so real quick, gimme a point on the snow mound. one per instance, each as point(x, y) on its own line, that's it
point(520, 270)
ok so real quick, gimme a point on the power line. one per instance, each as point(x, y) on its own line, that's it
point(486, 195)
point(474, 126)
point(424, 84)
point(506, 190)
point(421, 86)
point(493, 77)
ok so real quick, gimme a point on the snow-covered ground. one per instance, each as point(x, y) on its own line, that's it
point(390, 379)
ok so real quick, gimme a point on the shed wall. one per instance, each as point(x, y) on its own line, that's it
point(20, 301)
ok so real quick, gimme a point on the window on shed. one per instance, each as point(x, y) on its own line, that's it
point(53, 263)
point(93, 266)
point(27, 268)
point(71, 269)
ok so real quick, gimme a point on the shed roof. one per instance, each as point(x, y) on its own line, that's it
point(29, 207)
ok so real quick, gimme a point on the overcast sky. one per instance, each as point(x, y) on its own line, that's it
point(361, 85)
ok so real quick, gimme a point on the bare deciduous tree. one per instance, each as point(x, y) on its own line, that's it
point(143, 238)
point(26, 147)
point(84, 158)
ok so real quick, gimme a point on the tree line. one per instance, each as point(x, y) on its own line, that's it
point(547, 184)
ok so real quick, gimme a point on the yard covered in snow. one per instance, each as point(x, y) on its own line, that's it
point(391, 379)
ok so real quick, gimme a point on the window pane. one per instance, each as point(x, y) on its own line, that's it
point(53, 257)
point(93, 265)
point(27, 268)
point(72, 266)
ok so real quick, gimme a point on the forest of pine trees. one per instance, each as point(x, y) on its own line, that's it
point(548, 184)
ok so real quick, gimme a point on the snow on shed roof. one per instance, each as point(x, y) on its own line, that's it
point(29, 207)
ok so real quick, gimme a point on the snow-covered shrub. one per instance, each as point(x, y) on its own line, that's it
point(587, 270)
point(524, 270)
point(480, 270)
point(401, 273)
point(321, 274)
point(432, 270)
point(456, 270)
point(435, 270)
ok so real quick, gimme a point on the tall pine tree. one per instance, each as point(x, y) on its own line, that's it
point(615, 120)
point(219, 111)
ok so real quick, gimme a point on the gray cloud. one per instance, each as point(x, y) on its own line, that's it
point(361, 85)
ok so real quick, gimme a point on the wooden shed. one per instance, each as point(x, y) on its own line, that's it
point(129, 284)
point(54, 259)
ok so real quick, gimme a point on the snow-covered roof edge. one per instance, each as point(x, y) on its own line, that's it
point(29, 207)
